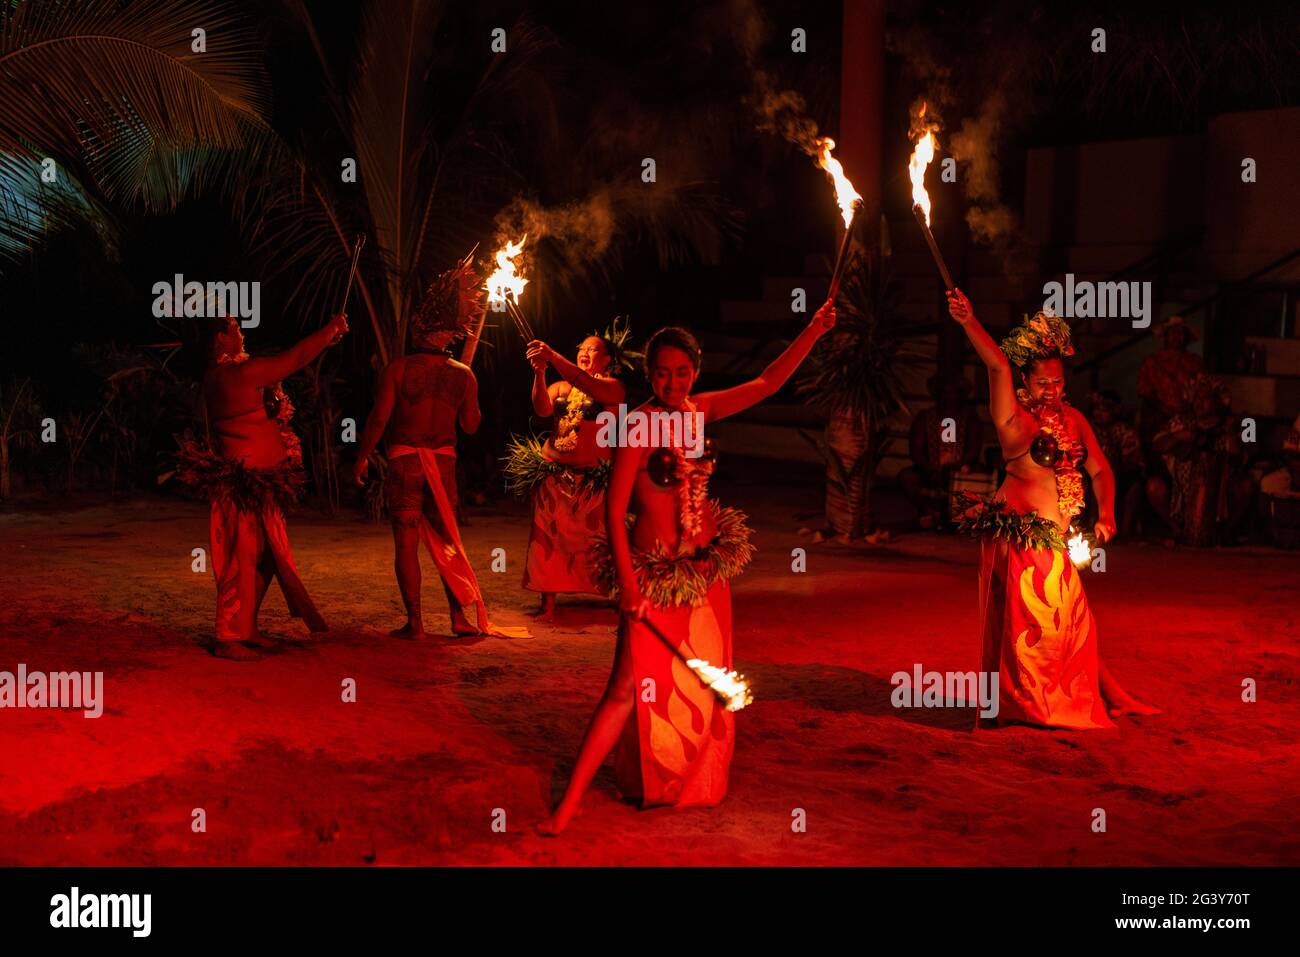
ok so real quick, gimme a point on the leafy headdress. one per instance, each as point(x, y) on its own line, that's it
point(451, 303)
point(1042, 337)
point(618, 340)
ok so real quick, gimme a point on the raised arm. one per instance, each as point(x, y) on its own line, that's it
point(1002, 390)
point(724, 402)
point(543, 401)
point(1103, 478)
point(377, 422)
point(267, 370)
point(627, 459)
point(605, 390)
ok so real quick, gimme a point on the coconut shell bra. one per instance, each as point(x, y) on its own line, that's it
point(1046, 451)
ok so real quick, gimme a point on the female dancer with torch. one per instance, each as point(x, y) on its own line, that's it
point(251, 470)
point(670, 573)
point(566, 475)
point(1038, 631)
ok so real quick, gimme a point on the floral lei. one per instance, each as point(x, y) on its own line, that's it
point(1056, 422)
point(566, 439)
point(693, 492)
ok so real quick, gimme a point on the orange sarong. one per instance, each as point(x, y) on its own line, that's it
point(676, 748)
point(1039, 637)
point(448, 554)
point(240, 540)
point(566, 518)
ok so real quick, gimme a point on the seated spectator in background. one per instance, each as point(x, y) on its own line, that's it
point(1280, 498)
point(1285, 481)
point(1209, 492)
point(1119, 440)
point(1163, 382)
point(945, 439)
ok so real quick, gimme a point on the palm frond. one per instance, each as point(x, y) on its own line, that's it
point(106, 89)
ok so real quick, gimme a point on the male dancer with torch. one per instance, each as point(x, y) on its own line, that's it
point(422, 398)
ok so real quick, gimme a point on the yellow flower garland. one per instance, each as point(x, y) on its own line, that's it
point(566, 431)
point(1056, 422)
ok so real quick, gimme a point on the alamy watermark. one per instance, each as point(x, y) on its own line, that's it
point(1101, 300)
point(82, 690)
point(946, 689)
point(198, 300)
point(658, 429)
point(75, 909)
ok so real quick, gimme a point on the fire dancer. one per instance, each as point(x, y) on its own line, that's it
point(672, 570)
point(1038, 631)
point(426, 394)
point(251, 473)
point(567, 475)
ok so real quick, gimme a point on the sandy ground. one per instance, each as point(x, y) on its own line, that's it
point(445, 732)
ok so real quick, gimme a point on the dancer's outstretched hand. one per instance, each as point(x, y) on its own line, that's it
point(824, 319)
point(1103, 532)
point(360, 469)
point(959, 306)
point(538, 350)
point(338, 325)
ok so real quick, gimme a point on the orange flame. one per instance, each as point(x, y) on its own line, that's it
point(916, 166)
point(1080, 550)
point(727, 685)
point(506, 280)
point(845, 194)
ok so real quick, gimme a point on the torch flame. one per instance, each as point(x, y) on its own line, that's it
point(506, 280)
point(845, 194)
point(1080, 551)
point(727, 685)
point(916, 166)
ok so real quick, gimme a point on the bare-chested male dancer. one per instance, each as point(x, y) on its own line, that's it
point(426, 394)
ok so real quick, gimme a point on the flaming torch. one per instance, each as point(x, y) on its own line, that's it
point(506, 284)
point(731, 688)
point(850, 206)
point(916, 166)
point(1080, 549)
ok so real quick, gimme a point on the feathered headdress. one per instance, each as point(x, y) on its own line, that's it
point(618, 340)
point(1041, 337)
point(451, 303)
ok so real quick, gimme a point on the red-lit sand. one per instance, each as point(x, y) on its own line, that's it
point(445, 732)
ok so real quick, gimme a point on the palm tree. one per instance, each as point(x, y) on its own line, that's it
point(854, 378)
point(441, 168)
point(18, 410)
point(116, 101)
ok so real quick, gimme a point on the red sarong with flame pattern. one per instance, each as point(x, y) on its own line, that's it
point(243, 539)
point(566, 517)
point(1039, 637)
point(676, 748)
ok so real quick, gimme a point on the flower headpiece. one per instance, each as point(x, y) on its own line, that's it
point(617, 340)
point(451, 303)
point(1041, 337)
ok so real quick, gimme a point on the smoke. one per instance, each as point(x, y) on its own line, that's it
point(778, 111)
point(977, 141)
point(784, 113)
point(582, 230)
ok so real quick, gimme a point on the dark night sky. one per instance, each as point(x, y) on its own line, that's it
point(664, 56)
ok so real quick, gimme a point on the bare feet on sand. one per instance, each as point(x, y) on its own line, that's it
point(1130, 706)
point(260, 640)
point(555, 822)
point(234, 651)
point(546, 613)
point(410, 631)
